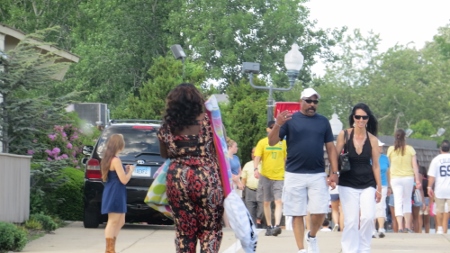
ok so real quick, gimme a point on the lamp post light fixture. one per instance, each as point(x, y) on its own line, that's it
point(293, 61)
point(179, 54)
point(336, 125)
point(439, 132)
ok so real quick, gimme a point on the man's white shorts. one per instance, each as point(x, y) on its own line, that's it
point(304, 193)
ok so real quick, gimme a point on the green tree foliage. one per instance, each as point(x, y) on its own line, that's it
point(245, 116)
point(226, 33)
point(30, 16)
point(148, 101)
point(26, 109)
point(403, 86)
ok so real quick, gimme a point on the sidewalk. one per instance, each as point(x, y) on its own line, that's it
point(141, 238)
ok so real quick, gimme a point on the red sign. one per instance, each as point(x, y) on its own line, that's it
point(289, 106)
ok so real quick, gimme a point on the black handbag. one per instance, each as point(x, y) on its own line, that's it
point(344, 163)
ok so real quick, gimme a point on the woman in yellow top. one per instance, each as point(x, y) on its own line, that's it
point(403, 171)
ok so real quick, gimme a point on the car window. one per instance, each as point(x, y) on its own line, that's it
point(138, 139)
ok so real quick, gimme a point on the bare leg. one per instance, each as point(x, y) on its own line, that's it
point(268, 213)
point(394, 220)
point(399, 222)
point(415, 218)
point(316, 223)
point(408, 218)
point(299, 230)
point(341, 218)
point(380, 223)
point(445, 222)
point(114, 224)
point(335, 212)
point(278, 211)
point(426, 223)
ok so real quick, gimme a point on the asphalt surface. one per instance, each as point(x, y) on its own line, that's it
point(145, 238)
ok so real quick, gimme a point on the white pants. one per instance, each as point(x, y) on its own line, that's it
point(402, 189)
point(358, 206)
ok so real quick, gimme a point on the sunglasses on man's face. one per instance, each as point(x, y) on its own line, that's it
point(309, 101)
point(364, 117)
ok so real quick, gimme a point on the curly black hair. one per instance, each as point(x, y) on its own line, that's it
point(183, 105)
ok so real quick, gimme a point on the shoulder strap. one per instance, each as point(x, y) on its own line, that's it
point(345, 141)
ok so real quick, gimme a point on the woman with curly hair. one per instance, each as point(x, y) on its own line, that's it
point(194, 188)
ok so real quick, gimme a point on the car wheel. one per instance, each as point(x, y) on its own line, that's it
point(91, 219)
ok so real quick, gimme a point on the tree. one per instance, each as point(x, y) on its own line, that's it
point(149, 100)
point(25, 110)
point(226, 33)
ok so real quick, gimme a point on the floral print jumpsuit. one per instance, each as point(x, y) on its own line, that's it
point(194, 189)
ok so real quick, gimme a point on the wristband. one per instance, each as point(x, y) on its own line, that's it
point(255, 169)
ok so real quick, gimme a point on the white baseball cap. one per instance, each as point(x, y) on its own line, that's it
point(380, 143)
point(309, 92)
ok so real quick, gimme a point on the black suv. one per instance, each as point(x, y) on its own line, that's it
point(141, 148)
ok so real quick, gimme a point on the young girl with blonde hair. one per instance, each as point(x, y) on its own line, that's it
point(114, 199)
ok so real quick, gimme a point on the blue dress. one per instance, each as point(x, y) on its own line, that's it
point(114, 199)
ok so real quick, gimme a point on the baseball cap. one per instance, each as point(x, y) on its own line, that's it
point(309, 92)
point(270, 123)
point(380, 143)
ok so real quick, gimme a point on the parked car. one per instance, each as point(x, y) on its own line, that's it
point(141, 148)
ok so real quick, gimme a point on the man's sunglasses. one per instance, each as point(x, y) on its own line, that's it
point(361, 116)
point(309, 101)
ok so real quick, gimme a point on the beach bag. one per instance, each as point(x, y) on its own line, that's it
point(156, 197)
point(236, 214)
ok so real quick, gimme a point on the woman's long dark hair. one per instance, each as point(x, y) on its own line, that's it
point(400, 141)
point(183, 105)
point(372, 124)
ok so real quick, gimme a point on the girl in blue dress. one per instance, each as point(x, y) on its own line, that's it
point(114, 199)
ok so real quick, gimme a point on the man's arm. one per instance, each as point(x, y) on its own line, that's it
point(256, 161)
point(274, 135)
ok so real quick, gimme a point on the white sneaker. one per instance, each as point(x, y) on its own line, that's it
point(302, 251)
point(312, 244)
point(440, 231)
point(336, 228)
point(374, 234)
point(381, 233)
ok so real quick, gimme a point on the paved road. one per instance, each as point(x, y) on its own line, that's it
point(142, 238)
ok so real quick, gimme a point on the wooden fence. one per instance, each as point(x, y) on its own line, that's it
point(14, 188)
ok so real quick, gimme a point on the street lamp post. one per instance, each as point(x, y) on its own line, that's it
point(179, 54)
point(293, 61)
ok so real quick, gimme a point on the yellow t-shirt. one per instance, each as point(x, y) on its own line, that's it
point(273, 158)
point(248, 172)
point(401, 165)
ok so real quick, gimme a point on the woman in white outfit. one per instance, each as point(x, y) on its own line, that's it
point(403, 171)
point(359, 188)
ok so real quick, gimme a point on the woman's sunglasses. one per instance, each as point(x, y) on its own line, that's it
point(361, 116)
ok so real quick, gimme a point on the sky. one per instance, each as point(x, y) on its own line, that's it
point(397, 21)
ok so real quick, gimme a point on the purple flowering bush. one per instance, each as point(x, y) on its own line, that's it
point(62, 143)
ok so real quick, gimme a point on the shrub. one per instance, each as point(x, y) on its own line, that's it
point(33, 224)
point(45, 180)
point(12, 238)
point(71, 191)
point(47, 222)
